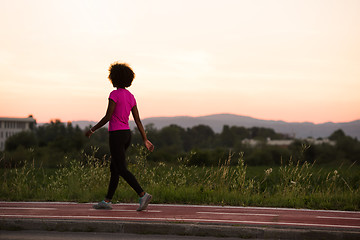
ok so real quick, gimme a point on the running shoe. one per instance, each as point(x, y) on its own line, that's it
point(103, 205)
point(144, 202)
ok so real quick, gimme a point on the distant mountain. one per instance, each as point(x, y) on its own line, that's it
point(83, 124)
point(217, 121)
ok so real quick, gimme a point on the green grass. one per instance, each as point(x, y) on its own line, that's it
point(291, 185)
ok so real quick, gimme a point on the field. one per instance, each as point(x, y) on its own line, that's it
point(293, 184)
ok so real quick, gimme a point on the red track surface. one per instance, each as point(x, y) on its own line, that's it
point(185, 213)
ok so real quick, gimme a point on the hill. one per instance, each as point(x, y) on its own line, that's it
point(217, 121)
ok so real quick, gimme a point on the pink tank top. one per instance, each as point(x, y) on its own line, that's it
point(125, 101)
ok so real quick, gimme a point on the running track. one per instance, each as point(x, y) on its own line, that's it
point(249, 216)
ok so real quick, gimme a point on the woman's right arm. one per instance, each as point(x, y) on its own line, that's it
point(104, 120)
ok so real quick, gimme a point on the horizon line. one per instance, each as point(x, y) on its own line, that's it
point(208, 115)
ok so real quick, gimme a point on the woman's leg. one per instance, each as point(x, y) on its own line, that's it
point(119, 141)
point(114, 181)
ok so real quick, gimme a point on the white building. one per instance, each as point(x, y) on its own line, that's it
point(285, 143)
point(320, 141)
point(11, 126)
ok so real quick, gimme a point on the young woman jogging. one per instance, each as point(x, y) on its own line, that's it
point(121, 103)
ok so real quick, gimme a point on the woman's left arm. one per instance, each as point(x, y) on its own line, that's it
point(135, 113)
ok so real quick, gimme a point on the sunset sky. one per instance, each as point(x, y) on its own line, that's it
point(290, 60)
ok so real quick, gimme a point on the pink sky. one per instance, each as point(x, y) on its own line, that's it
point(276, 60)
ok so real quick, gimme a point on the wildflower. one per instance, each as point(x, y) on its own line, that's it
point(268, 171)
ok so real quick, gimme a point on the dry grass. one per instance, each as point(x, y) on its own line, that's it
point(294, 184)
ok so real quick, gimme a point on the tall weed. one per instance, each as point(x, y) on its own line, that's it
point(79, 180)
point(294, 184)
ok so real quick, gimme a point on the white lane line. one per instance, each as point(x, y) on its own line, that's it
point(26, 208)
point(125, 210)
point(47, 203)
point(34, 208)
point(184, 219)
point(240, 214)
point(343, 218)
point(194, 206)
point(221, 208)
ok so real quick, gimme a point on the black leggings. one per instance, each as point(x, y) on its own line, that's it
point(119, 141)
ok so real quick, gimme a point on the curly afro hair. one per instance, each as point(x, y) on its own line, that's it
point(121, 75)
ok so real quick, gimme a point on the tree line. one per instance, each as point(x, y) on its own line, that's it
point(208, 147)
point(52, 144)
